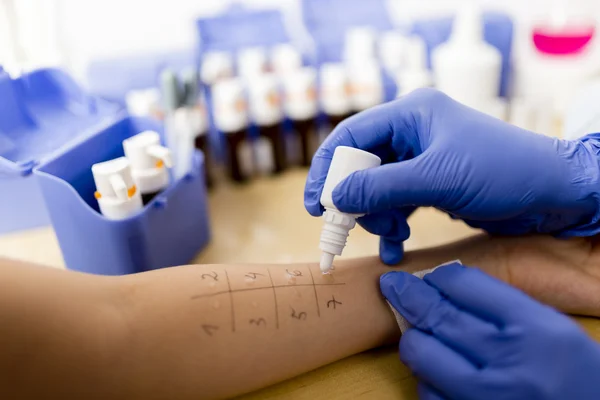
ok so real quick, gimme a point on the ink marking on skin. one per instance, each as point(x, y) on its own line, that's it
point(300, 316)
point(210, 329)
point(253, 275)
point(293, 273)
point(231, 301)
point(258, 322)
point(274, 300)
point(214, 276)
point(315, 290)
point(333, 303)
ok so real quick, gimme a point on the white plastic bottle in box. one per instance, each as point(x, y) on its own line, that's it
point(415, 75)
point(116, 192)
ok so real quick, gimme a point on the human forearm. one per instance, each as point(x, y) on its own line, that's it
point(173, 333)
point(223, 330)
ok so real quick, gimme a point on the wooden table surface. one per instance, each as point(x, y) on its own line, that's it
point(266, 222)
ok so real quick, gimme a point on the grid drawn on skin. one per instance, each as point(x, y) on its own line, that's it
point(273, 286)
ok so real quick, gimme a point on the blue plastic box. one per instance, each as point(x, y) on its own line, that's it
point(41, 112)
point(69, 132)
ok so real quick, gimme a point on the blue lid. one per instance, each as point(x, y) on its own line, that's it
point(328, 20)
point(42, 112)
point(240, 27)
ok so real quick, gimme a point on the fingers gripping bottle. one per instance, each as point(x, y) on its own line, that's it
point(337, 225)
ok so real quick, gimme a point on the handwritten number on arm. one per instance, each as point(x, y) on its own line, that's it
point(210, 329)
point(300, 316)
point(333, 303)
point(212, 275)
point(253, 275)
point(258, 322)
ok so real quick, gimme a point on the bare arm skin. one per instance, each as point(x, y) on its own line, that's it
point(214, 331)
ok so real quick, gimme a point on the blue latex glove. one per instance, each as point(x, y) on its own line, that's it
point(441, 153)
point(477, 338)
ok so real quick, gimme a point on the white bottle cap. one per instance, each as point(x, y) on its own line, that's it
point(360, 44)
point(334, 90)
point(285, 58)
point(252, 61)
point(149, 161)
point(231, 111)
point(143, 103)
point(337, 225)
point(116, 192)
point(216, 66)
point(366, 85)
point(415, 75)
point(300, 93)
point(265, 102)
point(392, 48)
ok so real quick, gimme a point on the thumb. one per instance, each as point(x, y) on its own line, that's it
point(400, 184)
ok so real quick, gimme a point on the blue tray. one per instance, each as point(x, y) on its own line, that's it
point(55, 132)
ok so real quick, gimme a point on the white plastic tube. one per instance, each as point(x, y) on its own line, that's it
point(337, 225)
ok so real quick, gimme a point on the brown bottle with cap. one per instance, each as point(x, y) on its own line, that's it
point(267, 114)
point(301, 107)
point(231, 119)
point(335, 93)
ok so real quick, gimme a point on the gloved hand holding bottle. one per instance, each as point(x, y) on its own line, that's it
point(475, 337)
point(443, 154)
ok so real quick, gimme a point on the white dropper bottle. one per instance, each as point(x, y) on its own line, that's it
point(337, 225)
point(415, 75)
point(366, 84)
point(466, 67)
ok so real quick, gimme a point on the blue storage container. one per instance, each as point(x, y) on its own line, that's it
point(69, 132)
point(328, 20)
point(40, 113)
point(240, 27)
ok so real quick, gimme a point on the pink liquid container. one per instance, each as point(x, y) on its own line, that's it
point(563, 40)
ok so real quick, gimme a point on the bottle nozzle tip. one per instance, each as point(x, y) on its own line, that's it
point(326, 262)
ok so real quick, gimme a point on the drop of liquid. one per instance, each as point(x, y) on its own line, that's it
point(254, 304)
point(215, 304)
point(212, 284)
